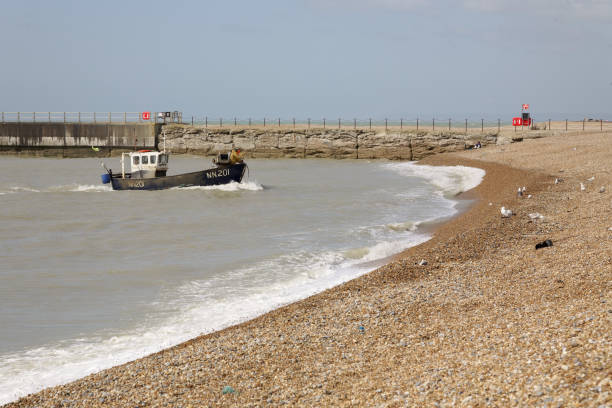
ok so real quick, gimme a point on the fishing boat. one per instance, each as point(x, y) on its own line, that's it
point(148, 171)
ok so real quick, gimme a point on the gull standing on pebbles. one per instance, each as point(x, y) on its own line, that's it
point(582, 187)
point(505, 213)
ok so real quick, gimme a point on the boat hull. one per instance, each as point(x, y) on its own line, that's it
point(211, 177)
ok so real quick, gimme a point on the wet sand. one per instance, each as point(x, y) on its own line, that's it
point(488, 321)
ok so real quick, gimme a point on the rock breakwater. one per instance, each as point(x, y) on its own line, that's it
point(322, 143)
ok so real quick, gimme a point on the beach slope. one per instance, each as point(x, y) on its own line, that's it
point(486, 320)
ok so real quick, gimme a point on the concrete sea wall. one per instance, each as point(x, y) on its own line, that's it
point(75, 139)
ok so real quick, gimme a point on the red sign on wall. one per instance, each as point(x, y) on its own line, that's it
point(525, 106)
point(517, 121)
point(146, 115)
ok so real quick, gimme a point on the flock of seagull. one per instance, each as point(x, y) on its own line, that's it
point(506, 212)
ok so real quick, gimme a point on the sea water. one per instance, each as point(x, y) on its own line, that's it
point(91, 278)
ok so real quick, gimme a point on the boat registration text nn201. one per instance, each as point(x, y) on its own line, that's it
point(217, 173)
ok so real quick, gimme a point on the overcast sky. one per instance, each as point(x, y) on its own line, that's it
point(309, 58)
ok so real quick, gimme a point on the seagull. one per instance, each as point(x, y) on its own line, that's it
point(505, 213)
point(591, 179)
point(520, 192)
point(582, 187)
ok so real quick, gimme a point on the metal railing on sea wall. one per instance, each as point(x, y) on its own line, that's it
point(433, 124)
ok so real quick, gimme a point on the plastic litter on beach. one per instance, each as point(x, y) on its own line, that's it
point(422, 262)
point(228, 390)
point(544, 244)
point(535, 216)
point(505, 213)
point(361, 329)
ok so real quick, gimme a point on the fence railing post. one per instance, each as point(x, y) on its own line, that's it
point(449, 124)
point(264, 122)
point(220, 122)
point(323, 123)
point(294, 123)
point(2, 117)
point(482, 125)
point(417, 123)
point(433, 124)
point(566, 125)
point(249, 122)
point(33, 116)
point(79, 117)
point(18, 117)
point(466, 126)
point(308, 123)
point(339, 123)
point(498, 125)
point(206, 122)
point(110, 119)
point(355, 123)
point(601, 125)
point(278, 122)
point(192, 120)
point(64, 117)
point(235, 122)
point(401, 124)
point(49, 117)
point(385, 124)
point(370, 124)
point(583, 125)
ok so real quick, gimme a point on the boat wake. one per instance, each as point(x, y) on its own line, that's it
point(233, 186)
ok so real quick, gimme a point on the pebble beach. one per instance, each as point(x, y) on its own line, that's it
point(474, 317)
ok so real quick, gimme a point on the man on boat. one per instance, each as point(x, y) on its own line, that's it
point(236, 156)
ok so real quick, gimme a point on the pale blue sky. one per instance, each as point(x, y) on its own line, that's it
point(309, 58)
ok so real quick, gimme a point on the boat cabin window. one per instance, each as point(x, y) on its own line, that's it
point(163, 159)
point(136, 160)
point(152, 159)
point(145, 159)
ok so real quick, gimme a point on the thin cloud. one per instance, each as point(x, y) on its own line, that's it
point(402, 5)
point(570, 9)
point(579, 9)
